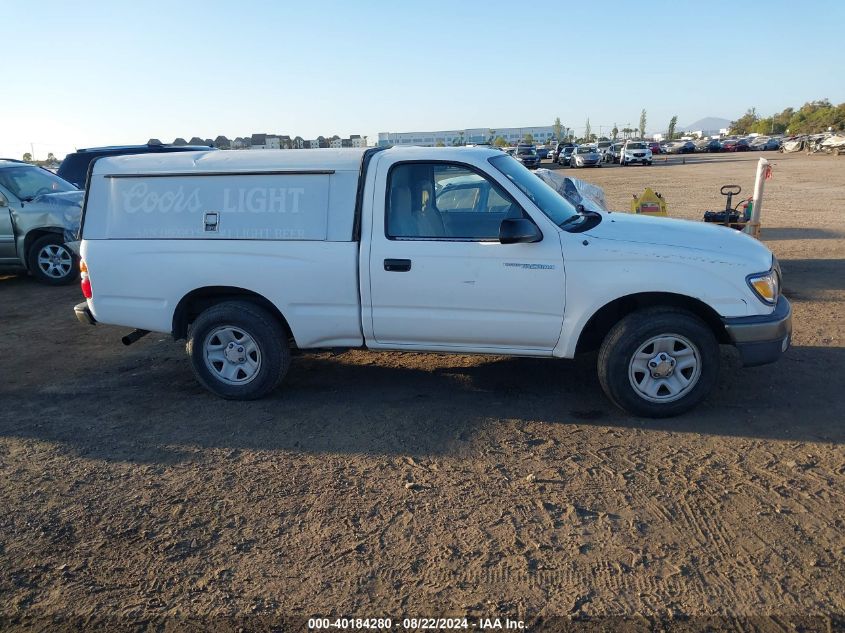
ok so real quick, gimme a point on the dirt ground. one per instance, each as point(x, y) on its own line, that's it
point(375, 485)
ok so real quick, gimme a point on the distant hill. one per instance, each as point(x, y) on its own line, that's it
point(709, 123)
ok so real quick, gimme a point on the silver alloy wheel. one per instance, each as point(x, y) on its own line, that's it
point(232, 355)
point(665, 368)
point(55, 261)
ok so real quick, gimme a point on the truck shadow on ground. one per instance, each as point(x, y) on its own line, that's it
point(813, 279)
point(146, 408)
point(799, 233)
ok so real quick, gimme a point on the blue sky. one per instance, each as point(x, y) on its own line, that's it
point(88, 73)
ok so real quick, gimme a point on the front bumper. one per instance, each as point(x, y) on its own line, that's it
point(762, 339)
point(83, 314)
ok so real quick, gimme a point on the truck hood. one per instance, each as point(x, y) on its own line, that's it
point(699, 236)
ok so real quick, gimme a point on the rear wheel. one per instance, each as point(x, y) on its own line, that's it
point(238, 350)
point(52, 262)
point(658, 362)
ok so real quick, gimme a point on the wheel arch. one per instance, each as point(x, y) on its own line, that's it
point(32, 236)
point(196, 301)
point(598, 325)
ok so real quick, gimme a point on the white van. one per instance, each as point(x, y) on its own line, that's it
point(249, 254)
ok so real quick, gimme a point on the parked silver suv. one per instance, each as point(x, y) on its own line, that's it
point(39, 214)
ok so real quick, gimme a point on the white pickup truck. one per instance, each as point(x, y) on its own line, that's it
point(251, 254)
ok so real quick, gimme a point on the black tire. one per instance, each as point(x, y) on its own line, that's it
point(632, 332)
point(255, 322)
point(59, 272)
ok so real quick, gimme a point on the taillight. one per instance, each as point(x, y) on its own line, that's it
point(85, 280)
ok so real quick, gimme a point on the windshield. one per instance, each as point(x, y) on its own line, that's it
point(26, 182)
point(553, 205)
point(525, 150)
point(604, 143)
point(636, 146)
point(585, 150)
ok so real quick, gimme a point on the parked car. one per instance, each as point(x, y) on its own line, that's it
point(654, 146)
point(762, 144)
point(604, 148)
point(714, 145)
point(414, 268)
point(615, 152)
point(734, 145)
point(74, 167)
point(558, 148)
point(543, 152)
point(38, 213)
point(585, 156)
point(680, 147)
point(527, 155)
point(565, 156)
point(635, 152)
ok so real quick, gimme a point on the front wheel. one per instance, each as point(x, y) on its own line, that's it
point(238, 350)
point(52, 262)
point(658, 362)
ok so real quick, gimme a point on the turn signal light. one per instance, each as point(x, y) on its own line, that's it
point(765, 286)
point(85, 280)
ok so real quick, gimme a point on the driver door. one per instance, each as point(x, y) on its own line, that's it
point(7, 233)
point(439, 277)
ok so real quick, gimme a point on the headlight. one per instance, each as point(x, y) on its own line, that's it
point(766, 286)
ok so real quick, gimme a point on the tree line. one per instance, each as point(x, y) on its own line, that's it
point(811, 118)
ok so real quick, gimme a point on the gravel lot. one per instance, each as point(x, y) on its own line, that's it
point(388, 485)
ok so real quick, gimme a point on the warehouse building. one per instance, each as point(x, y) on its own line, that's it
point(540, 134)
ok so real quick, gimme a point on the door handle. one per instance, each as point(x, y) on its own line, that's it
point(397, 265)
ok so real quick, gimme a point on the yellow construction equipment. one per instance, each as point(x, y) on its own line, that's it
point(649, 203)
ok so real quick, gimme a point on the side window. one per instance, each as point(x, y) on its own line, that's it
point(445, 201)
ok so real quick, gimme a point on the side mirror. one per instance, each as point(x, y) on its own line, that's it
point(519, 231)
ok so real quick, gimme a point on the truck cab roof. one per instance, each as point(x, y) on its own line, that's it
point(325, 160)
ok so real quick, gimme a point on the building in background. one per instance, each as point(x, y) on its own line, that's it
point(540, 134)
